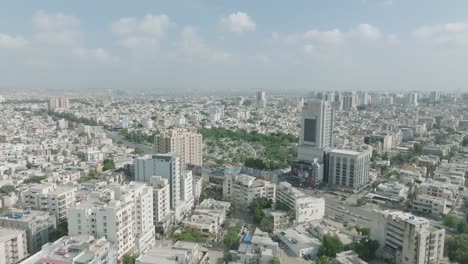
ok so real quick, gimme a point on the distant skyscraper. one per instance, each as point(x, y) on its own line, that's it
point(412, 99)
point(435, 96)
point(350, 101)
point(317, 124)
point(261, 99)
point(58, 103)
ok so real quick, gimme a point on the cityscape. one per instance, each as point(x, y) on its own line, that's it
point(231, 172)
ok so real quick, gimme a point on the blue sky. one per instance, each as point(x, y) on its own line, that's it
point(242, 45)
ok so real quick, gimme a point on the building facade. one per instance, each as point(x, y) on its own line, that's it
point(187, 144)
point(349, 168)
point(242, 189)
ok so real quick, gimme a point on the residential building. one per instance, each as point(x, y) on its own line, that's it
point(299, 241)
point(13, 245)
point(161, 204)
point(382, 142)
point(124, 216)
point(429, 204)
point(49, 197)
point(76, 250)
point(350, 101)
point(58, 103)
point(348, 257)
point(37, 224)
point(256, 248)
point(181, 253)
point(407, 239)
point(349, 168)
point(306, 208)
point(281, 219)
point(187, 144)
point(393, 190)
point(261, 99)
point(437, 189)
point(242, 189)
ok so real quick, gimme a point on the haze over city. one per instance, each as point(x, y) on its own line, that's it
point(215, 46)
point(234, 132)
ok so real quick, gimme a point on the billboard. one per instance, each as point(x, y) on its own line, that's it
point(303, 173)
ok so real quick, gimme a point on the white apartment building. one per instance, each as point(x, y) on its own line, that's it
point(382, 142)
point(124, 216)
point(75, 249)
point(13, 245)
point(307, 208)
point(394, 190)
point(49, 197)
point(242, 189)
point(181, 253)
point(92, 155)
point(161, 204)
point(349, 168)
point(58, 103)
point(438, 189)
point(37, 225)
point(348, 257)
point(186, 191)
point(429, 204)
point(188, 145)
point(407, 239)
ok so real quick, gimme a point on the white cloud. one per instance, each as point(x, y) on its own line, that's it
point(445, 34)
point(310, 49)
point(96, 54)
point(143, 32)
point(194, 48)
point(368, 32)
point(56, 28)
point(388, 3)
point(238, 22)
point(7, 41)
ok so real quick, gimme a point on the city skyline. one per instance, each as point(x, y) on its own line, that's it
point(208, 46)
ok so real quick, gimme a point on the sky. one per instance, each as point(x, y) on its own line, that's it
point(242, 45)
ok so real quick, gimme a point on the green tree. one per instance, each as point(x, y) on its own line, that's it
point(256, 209)
point(108, 164)
point(232, 237)
point(451, 221)
point(129, 259)
point(330, 246)
point(361, 201)
point(462, 227)
point(324, 260)
point(266, 224)
point(275, 260)
point(6, 189)
point(138, 151)
point(376, 183)
point(457, 248)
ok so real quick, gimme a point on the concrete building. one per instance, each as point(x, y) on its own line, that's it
point(180, 253)
point(306, 208)
point(348, 257)
point(349, 168)
point(13, 245)
point(75, 249)
point(317, 124)
point(382, 142)
point(429, 204)
point(437, 189)
point(393, 190)
point(407, 239)
point(242, 189)
point(49, 197)
point(161, 204)
point(256, 248)
point(407, 134)
point(187, 144)
point(37, 225)
point(299, 241)
point(261, 99)
point(350, 101)
point(281, 219)
point(124, 216)
point(412, 99)
point(58, 103)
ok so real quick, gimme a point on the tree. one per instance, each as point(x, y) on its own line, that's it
point(6, 189)
point(462, 227)
point(457, 249)
point(108, 164)
point(363, 231)
point(256, 209)
point(324, 260)
point(451, 221)
point(129, 259)
point(267, 224)
point(361, 201)
point(275, 260)
point(375, 184)
point(138, 151)
point(330, 246)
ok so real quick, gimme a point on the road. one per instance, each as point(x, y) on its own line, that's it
point(115, 136)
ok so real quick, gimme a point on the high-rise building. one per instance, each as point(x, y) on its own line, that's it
point(349, 168)
point(412, 99)
point(168, 166)
point(187, 144)
point(350, 101)
point(13, 246)
point(242, 189)
point(261, 99)
point(161, 204)
point(49, 197)
point(317, 124)
point(435, 96)
point(58, 103)
point(407, 239)
point(124, 216)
